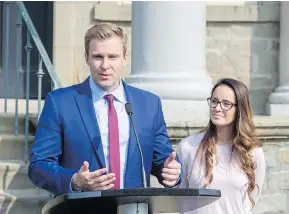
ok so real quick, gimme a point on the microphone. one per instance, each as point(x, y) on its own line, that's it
point(128, 109)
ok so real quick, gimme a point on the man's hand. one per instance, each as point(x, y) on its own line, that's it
point(90, 181)
point(171, 170)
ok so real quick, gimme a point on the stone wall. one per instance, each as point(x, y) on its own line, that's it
point(274, 133)
point(248, 52)
point(242, 42)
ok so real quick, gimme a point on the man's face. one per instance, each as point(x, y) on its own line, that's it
point(106, 59)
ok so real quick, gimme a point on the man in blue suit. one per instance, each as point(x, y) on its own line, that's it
point(85, 141)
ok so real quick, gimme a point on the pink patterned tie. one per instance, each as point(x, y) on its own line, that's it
point(113, 137)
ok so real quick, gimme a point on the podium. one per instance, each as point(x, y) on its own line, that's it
point(132, 201)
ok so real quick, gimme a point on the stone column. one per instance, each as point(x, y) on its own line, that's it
point(279, 99)
point(168, 55)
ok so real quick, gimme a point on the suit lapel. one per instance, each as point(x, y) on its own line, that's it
point(86, 109)
point(132, 143)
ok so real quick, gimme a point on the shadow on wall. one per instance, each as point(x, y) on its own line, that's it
point(19, 194)
point(6, 203)
point(264, 60)
point(10, 204)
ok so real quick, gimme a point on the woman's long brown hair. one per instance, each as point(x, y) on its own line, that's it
point(245, 138)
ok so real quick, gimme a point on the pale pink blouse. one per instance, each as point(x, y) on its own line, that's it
point(228, 177)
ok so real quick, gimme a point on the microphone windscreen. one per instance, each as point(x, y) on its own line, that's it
point(128, 108)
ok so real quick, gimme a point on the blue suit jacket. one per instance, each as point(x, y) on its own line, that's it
point(68, 134)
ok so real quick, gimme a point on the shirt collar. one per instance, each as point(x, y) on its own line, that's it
point(98, 93)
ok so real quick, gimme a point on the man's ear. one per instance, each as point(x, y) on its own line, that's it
point(86, 57)
point(125, 58)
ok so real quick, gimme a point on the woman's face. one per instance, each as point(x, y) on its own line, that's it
point(222, 106)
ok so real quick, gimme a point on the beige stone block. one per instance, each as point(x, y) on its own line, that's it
point(80, 68)
point(80, 28)
point(127, 29)
point(217, 45)
point(240, 31)
point(284, 155)
point(112, 11)
point(230, 63)
point(238, 53)
point(279, 180)
point(243, 45)
point(217, 30)
point(211, 43)
point(225, 3)
point(232, 13)
point(84, 9)
point(63, 64)
point(271, 152)
point(271, 203)
point(238, 60)
point(229, 30)
point(63, 24)
point(236, 45)
point(245, 12)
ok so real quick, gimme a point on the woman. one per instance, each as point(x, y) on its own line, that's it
point(227, 155)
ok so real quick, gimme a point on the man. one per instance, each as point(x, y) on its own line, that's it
point(84, 139)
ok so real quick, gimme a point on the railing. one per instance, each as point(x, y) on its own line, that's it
point(22, 15)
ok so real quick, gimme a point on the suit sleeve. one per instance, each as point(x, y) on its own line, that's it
point(44, 170)
point(162, 146)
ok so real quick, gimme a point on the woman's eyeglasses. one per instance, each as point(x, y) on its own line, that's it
point(225, 104)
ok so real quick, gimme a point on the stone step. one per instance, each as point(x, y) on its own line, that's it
point(13, 147)
point(7, 123)
point(33, 105)
point(14, 175)
point(26, 201)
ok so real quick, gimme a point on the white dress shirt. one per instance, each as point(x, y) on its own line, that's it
point(101, 111)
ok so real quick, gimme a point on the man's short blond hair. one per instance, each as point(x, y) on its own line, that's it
point(103, 31)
